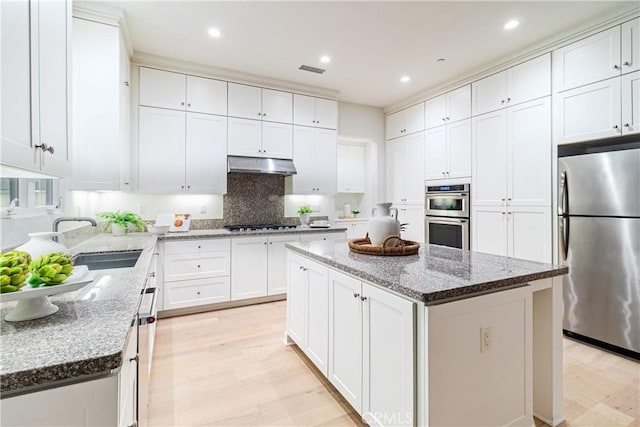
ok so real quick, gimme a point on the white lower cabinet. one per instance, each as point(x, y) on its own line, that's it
point(258, 266)
point(413, 218)
point(516, 231)
point(356, 228)
point(196, 272)
point(361, 337)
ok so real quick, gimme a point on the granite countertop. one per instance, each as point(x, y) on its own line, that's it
point(224, 233)
point(437, 274)
point(87, 336)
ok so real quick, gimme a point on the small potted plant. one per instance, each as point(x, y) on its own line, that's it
point(304, 212)
point(355, 212)
point(119, 222)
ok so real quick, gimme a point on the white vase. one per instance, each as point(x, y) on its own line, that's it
point(41, 244)
point(304, 219)
point(117, 229)
point(382, 224)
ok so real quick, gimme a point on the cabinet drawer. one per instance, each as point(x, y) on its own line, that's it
point(323, 236)
point(196, 265)
point(189, 293)
point(195, 246)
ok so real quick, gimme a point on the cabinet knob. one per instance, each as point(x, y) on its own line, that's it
point(615, 126)
point(363, 298)
point(198, 293)
point(198, 265)
point(301, 267)
point(182, 187)
point(264, 114)
point(502, 102)
point(626, 125)
point(317, 122)
point(126, 84)
point(443, 119)
point(503, 199)
point(182, 103)
point(198, 246)
point(313, 121)
point(189, 105)
point(356, 295)
point(627, 63)
point(259, 114)
point(448, 118)
point(616, 67)
point(503, 213)
point(508, 99)
point(509, 213)
point(188, 187)
point(271, 243)
point(125, 183)
point(509, 199)
point(134, 359)
point(264, 243)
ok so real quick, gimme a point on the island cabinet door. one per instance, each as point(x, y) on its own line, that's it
point(317, 342)
point(296, 300)
point(389, 363)
point(345, 337)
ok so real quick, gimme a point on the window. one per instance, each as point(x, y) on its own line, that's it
point(29, 192)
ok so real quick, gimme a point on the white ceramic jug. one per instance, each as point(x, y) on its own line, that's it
point(41, 244)
point(382, 224)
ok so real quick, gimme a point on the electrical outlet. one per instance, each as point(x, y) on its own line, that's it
point(203, 209)
point(486, 339)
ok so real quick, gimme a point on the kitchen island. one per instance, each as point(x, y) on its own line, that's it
point(444, 337)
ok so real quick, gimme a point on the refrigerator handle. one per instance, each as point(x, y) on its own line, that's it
point(563, 204)
point(564, 236)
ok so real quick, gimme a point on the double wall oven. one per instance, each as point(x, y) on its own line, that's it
point(447, 213)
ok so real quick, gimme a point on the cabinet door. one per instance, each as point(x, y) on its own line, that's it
point(125, 117)
point(389, 365)
point(631, 46)
point(529, 153)
point(304, 110)
point(490, 230)
point(359, 229)
point(530, 233)
point(244, 101)
point(206, 96)
point(16, 85)
point(54, 91)
point(459, 104)
point(356, 156)
point(277, 106)
point(96, 93)
point(489, 158)
point(245, 137)
point(587, 61)
point(206, 154)
point(326, 113)
point(435, 153)
point(317, 342)
point(529, 80)
point(248, 282)
point(345, 337)
point(277, 140)
point(459, 149)
point(588, 112)
point(325, 162)
point(631, 103)
point(277, 264)
point(414, 119)
point(395, 125)
point(395, 163)
point(413, 217)
point(343, 167)
point(413, 168)
point(304, 140)
point(161, 150)
point(296, 300)
point(435, 111)
point(162, 89)
point(489, 94)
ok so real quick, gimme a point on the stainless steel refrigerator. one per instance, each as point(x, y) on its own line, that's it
point(599, 240)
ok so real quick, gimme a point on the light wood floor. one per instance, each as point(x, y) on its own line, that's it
point(230, 367)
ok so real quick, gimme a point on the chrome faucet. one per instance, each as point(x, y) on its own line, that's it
point(57, 222)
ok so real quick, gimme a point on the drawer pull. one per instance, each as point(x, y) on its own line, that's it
point(198, 265)
point(198, 292)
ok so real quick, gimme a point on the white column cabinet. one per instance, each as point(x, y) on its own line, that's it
point(206, 154)
point(36, 94)
point(447, 151)
point(314, 154)
point(521, 83)
point(405, 169)
point(315, 112)
point(448, 108)
point(351, 168)
point(489, 136)
point(631, 103)
point(249, 282)
point(405, 122)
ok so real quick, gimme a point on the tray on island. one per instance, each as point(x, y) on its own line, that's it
point(392, 246)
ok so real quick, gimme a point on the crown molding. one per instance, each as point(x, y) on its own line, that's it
point(104, 14)
point(168, 64)
point(537, 49)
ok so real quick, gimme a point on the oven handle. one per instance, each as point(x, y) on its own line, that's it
point(451, 221)
point(148, 311)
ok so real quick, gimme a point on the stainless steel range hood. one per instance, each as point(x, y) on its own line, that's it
point(237, 164)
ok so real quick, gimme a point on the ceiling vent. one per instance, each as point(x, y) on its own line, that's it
point(312, 69)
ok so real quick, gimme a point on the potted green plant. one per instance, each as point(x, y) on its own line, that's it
point(304, 212)
point(355, 212)
point(118, 222)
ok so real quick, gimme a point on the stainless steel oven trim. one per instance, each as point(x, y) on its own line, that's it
point(463, 222)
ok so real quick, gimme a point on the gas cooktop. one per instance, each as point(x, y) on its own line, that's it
point(255, 227)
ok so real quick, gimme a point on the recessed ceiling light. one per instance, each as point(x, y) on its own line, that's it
point(405, 79)
point(325, 59)
point(214, 32)
point(511, 24)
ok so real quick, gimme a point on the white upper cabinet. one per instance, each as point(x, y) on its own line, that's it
point(314, 154)
point(316, 112)
point(36, 64)
point(521, 83)
point(206, 154)
point(176, 91)
point(405, 122)
point(448, 108)
point(489, 158)
point(351, 168)
point(447, 151)
point(631, 46)
point(405, 170)
point(586, 61)
point(277, 140)
point(254, 138)
point(252, 102)
point(631, 103)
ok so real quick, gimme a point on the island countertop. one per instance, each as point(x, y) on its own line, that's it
point(436, 275)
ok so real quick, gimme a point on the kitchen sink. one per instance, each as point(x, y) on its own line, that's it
point(107, 260)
